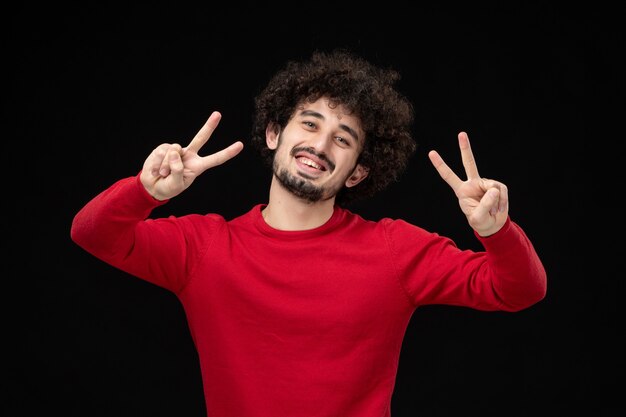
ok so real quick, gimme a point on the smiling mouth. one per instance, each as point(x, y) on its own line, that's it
point(312, 161)
point(308, 162)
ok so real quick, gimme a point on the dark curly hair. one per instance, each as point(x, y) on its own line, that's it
point(363, 89)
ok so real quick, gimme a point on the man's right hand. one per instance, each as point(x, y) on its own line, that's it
point(170, 169)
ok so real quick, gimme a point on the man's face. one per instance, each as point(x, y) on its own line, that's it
point(317, 151)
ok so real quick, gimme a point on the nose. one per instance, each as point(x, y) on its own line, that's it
point(321, 142)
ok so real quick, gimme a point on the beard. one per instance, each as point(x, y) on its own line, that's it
point(300, 187)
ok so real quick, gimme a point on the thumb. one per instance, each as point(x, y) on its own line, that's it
point(490, 201)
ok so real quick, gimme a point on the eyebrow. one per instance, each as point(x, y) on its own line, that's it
point(320, 116)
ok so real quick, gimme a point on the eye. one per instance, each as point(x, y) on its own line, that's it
point(309, 124)
point(342, 140)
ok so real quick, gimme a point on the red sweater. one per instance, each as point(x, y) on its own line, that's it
point(303, 323)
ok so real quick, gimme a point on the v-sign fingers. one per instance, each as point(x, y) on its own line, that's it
point(471, 169)
point(444, 170)
point(204, 133)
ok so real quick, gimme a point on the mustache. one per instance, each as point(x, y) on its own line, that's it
point(312, 151)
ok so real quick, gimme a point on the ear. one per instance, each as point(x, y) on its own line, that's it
point(358, 175)
point(272, 131)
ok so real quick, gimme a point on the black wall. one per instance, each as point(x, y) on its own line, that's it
point(92, 90)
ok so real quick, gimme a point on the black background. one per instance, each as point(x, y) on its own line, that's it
point(93, 89)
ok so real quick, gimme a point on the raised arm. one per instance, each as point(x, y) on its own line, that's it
point(170, 169)
point(112, 226)
point(485, 202)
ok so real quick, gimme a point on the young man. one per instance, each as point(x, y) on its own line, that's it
point(299, 307)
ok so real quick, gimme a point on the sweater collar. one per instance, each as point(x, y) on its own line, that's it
point(266, 229)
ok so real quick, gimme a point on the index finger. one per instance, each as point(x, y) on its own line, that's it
point(204, 133)
point(471, 169)
point(444, 170)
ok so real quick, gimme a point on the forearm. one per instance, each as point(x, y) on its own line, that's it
point(105, 226)
point(519, 276)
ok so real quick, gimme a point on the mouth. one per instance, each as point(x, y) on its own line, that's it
point(310, 163)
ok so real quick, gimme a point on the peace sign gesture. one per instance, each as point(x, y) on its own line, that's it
point(170, 168)
point(484, 202)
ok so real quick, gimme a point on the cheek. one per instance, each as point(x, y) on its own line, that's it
point(281, 154)
point(348, 163)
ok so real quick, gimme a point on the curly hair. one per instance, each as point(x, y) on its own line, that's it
point(363, 89)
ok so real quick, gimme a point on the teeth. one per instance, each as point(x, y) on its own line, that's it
point(310, 163)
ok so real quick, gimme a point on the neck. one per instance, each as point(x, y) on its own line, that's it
point(285, 211)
